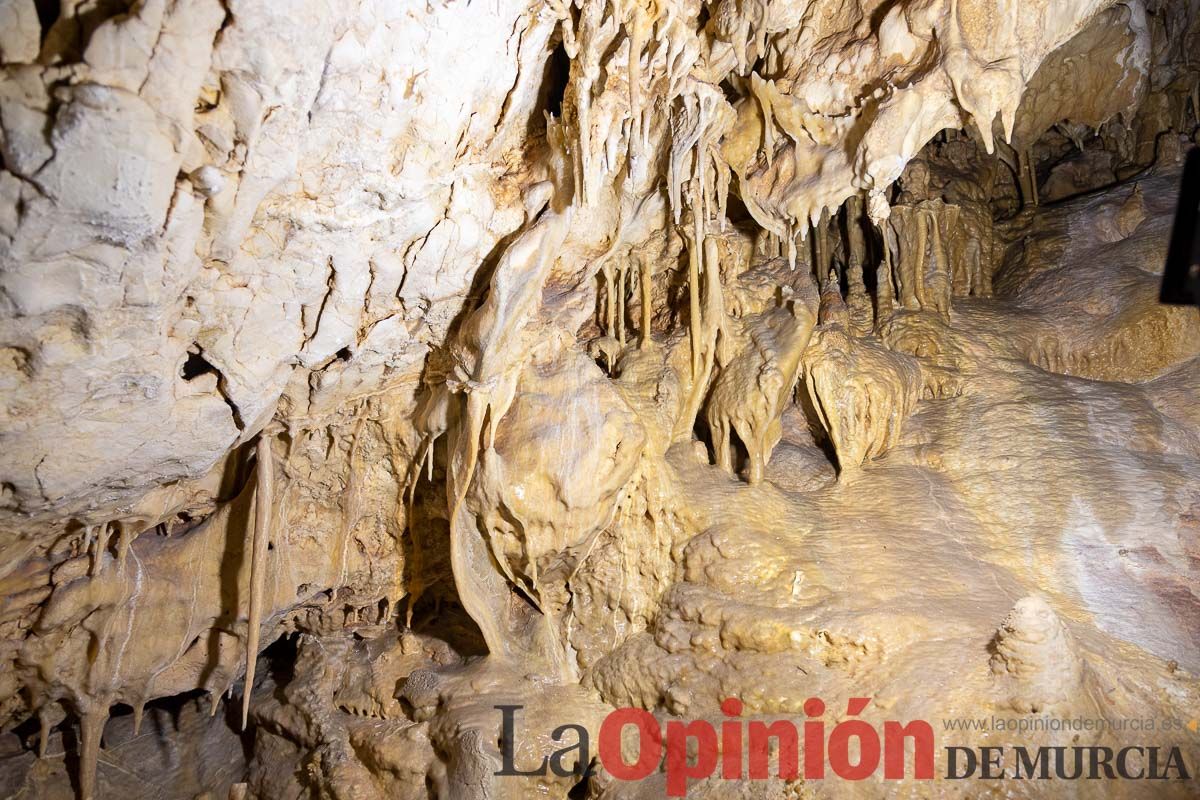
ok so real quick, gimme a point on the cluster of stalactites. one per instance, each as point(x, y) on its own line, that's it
point(621, 278)
point(104, 684)
point(936, 251)
point(743, 24)
point(698, 183)
point(663, 106)
point(644, 49)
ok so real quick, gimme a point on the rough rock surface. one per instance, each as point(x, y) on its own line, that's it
point(384, 362)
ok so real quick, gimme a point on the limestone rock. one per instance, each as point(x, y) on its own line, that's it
point(368, 365)
point(1037, 656)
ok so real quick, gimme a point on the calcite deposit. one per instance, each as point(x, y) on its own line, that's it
point(392, 391)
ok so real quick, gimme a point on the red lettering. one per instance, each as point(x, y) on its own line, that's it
point(731, 740)
point(678, 769)
point(894, 734)
point(814, 740)
point(868, 749)
point(760, 752)
point(649, 744)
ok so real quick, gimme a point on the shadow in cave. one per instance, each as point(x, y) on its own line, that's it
point(820, 436)
point(433, 598)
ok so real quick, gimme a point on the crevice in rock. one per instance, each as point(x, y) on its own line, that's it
point(196, 365)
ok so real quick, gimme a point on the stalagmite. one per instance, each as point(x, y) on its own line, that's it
point(885, 293)
point(756, 380)
point(1036, 655)
point(912, 280)
point(862, 392)
point(1027, 177)
point(833, 310)
point(938, 284)
point(256, 549)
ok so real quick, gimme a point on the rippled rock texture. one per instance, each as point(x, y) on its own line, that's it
point(368, 365)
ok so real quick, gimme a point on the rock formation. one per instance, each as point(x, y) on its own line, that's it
point(1035, 653)
point(369, 366)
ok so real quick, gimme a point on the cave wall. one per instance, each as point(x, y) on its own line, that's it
point(370, 253)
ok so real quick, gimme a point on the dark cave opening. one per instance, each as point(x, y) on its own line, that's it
point(196, 365)
point(554, 83)
point(47, 11)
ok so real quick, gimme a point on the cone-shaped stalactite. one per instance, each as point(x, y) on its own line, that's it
point(260, 534)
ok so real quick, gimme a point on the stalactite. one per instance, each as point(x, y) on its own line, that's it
point(92, 722)
point(1033, 184)
point(855, 245)
point(645, 283)
point(704, 320)
point(622, 274)
point(912, 288)
point(1027, 177)
point(885, 296)
point(724, 175)
point(583, 110)
point(432, 420)
point(791, 246)
point(762, 91)
point(610, 305)
point(139, 710)
point(48, 715)
point(124, 537)
point(714, 307)
point(775, 244)
point(938, 283)
point(714, 300)
point(852, 97)
point(100, 548)
point(861, 317)
point(636, 27)
point(695, 253)
point(260, 535)
point(821, 246)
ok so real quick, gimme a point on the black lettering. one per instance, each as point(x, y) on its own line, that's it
point(952, 763)
point(1098, 762)
point(581, 761)
point(508, 743)
point(1175, 760)
point(991, 758)
point(1026, 768)
point(1060, 763)
point(1123, 765)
